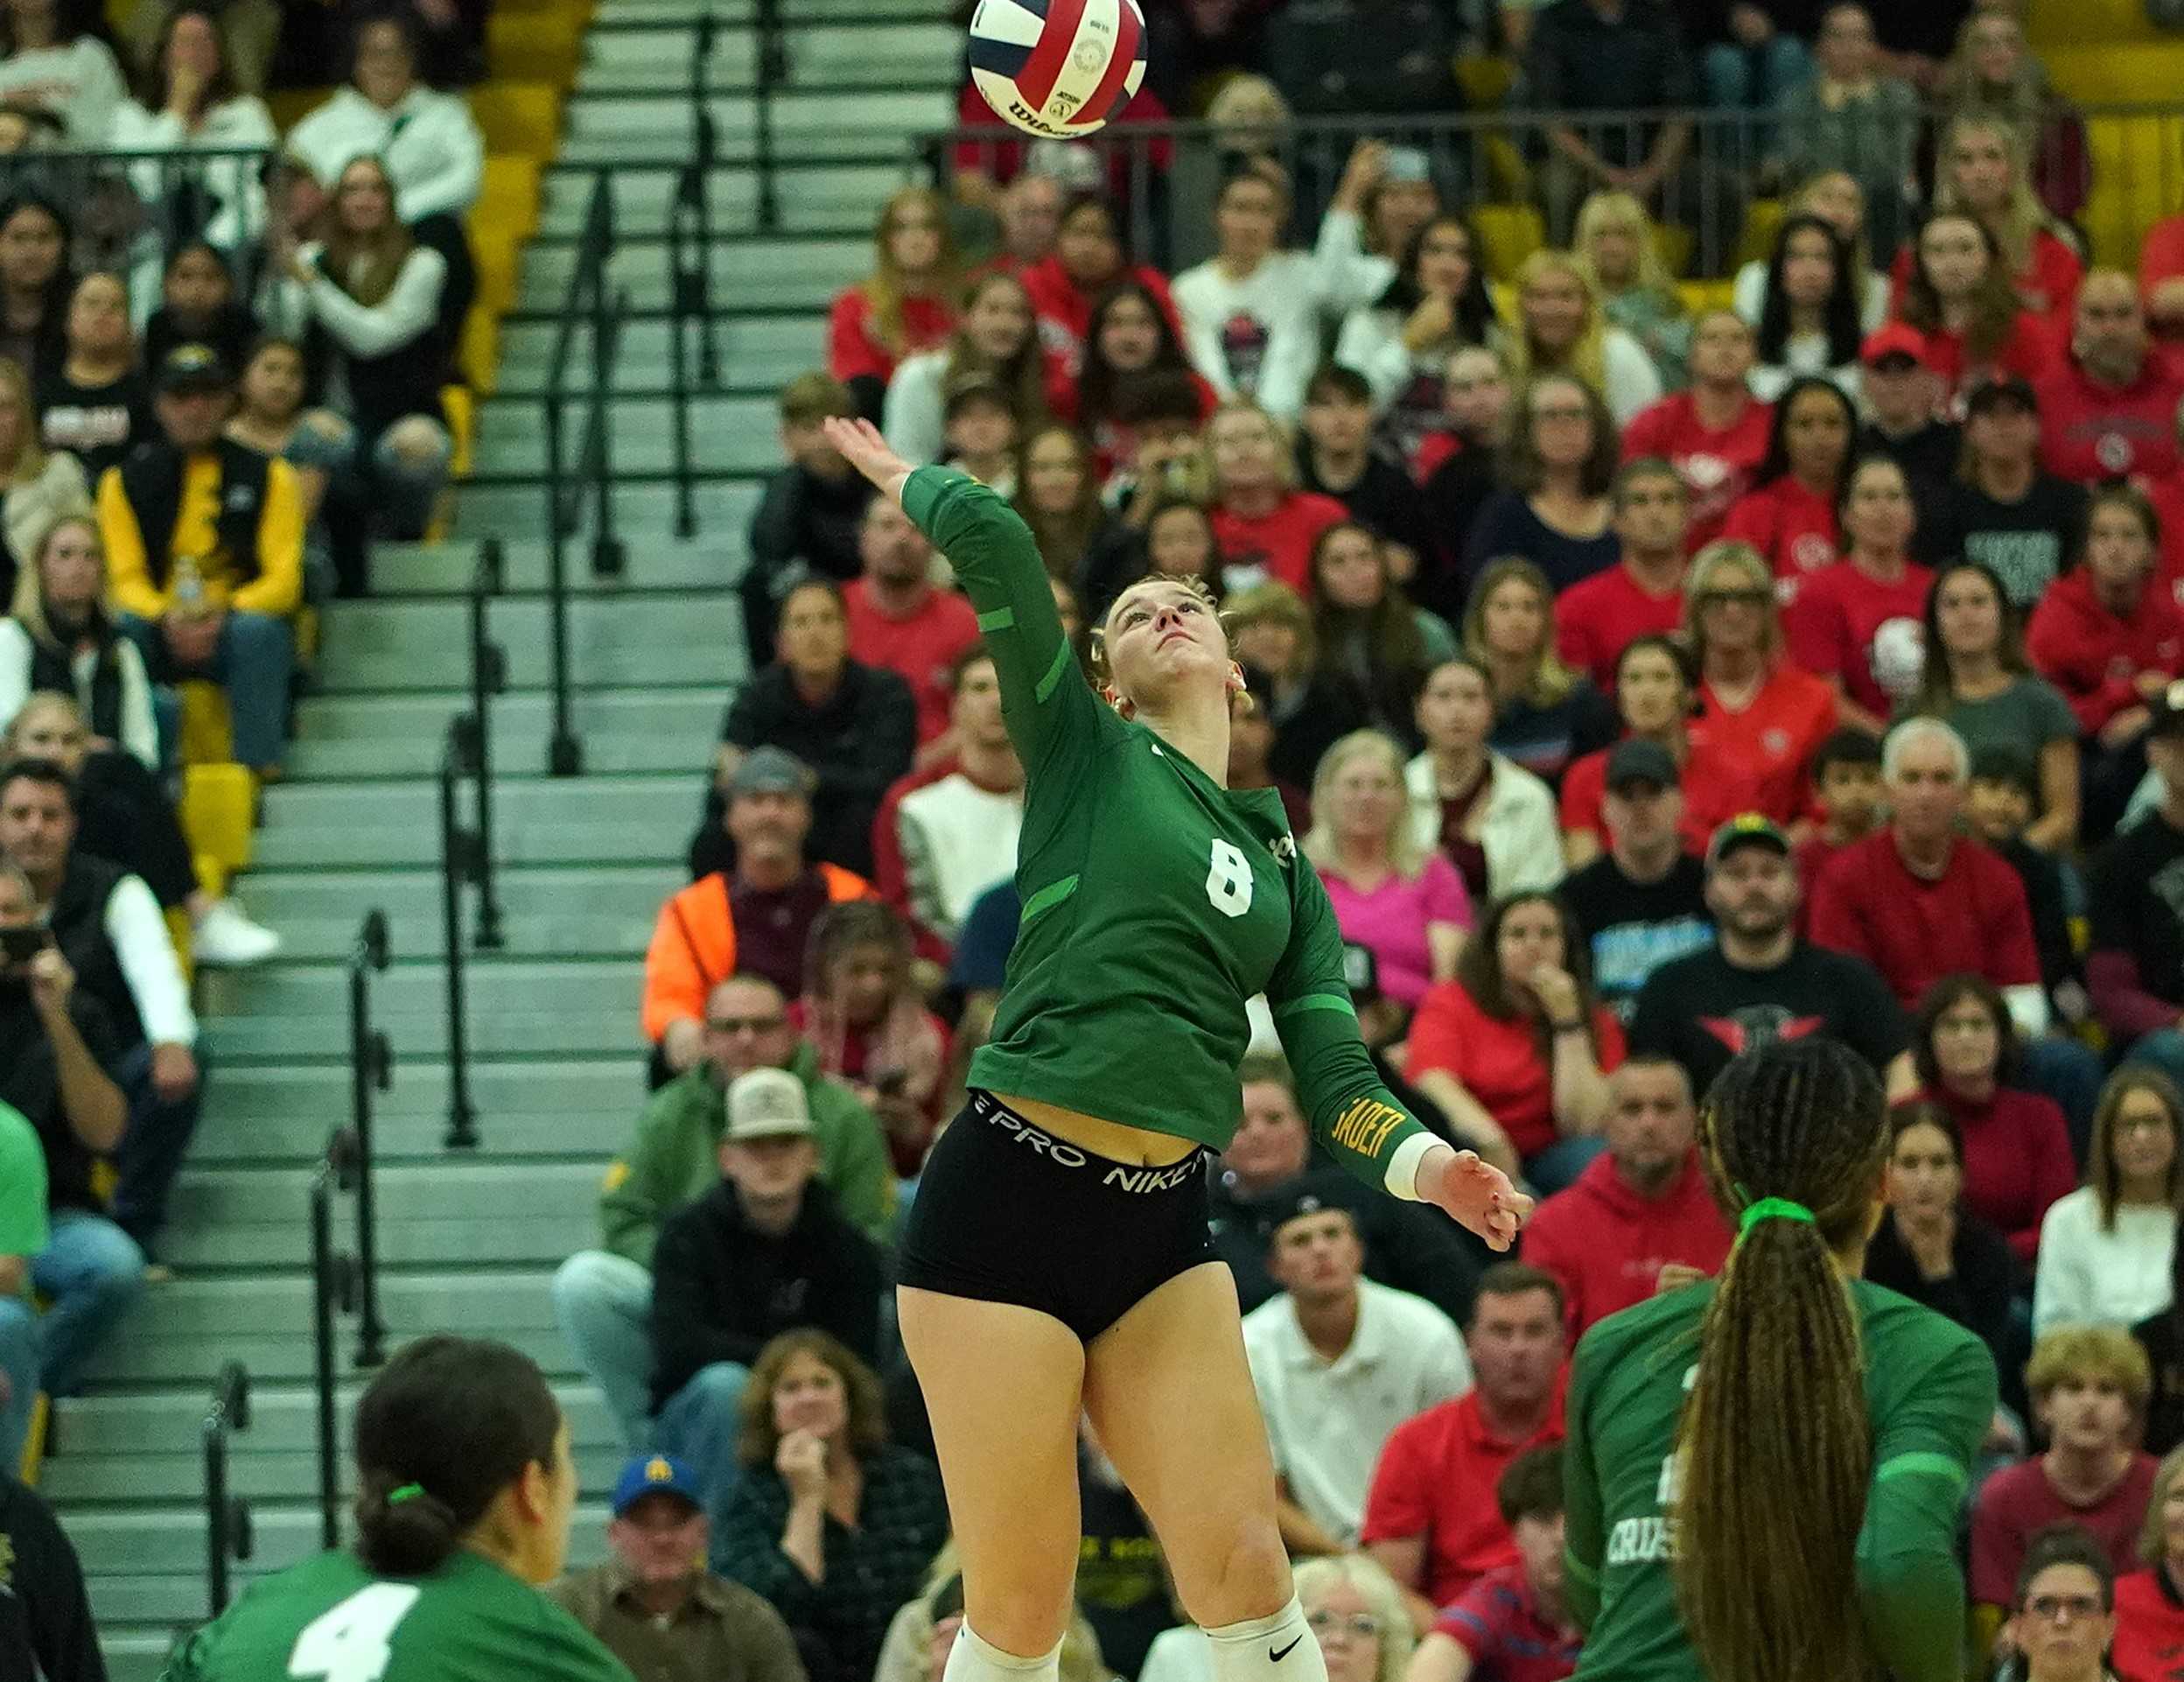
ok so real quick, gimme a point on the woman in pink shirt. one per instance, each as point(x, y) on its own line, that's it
point(1403, 903)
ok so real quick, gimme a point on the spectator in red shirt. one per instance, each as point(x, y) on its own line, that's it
point(1089, 257)
point(908, 303)
point(1960, 297)
point(1918, 901)
point(1136, 395)
point(1640, 1219)
point(1266, 526)
point(2108, 408)
point(863, 1012)
point(1789, 514)
point(1764, 715)
point(1846, 783)
point(1714, 434)
point(2150, 1603)
point(2015, 1148)
point(1857, 623)
point(1653, 695)
point(1983, 173)
point(990, 156)
point(1599, 617)
point(899, 620)
point(2088, 1383)
point(1513, 1624)
point(2108, 638)
point(1430, 1516)
point(1517, 1049)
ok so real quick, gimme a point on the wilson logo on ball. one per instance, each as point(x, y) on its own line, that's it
point(1057, 68)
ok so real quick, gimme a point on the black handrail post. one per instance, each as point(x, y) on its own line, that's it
point(773, 69)
point(462, 1117)
point(609, 557)
point(371, 1068)
point(488, 677)
point(708, 346)
point(332, 1284)
point(683, 304)
point(227, 1517)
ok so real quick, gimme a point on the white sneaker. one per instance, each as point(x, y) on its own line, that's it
point(227, 939)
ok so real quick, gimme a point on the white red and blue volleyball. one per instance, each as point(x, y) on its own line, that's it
point(1057, 68)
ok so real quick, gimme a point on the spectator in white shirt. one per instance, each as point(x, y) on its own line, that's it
point(958, 835)
point(2105, 1249)
point(1384, 198)
point(1338, 1361)
point(188, 102)
point(367, 304)
point(1435, 303)
point(52, 57)
point(428, 142)
point(1250, 320)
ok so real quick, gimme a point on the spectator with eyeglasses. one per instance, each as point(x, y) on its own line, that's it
point(2065, 1610)
point(603, 1297)
point(1353, 1608)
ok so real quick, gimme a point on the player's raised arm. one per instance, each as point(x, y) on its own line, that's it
point(997, 560)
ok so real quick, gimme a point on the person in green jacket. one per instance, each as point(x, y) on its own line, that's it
point(603, 1298)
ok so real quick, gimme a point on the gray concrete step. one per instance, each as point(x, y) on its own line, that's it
point(821, 56)
point(617, 14)
point(814, 126)
point(772, 274)
point(547, 912)
point(400, 735)
point(765, 352)
point(660, 637)
point(715, 559)
point(645, 511)
point(820, 199)
point(726, 434)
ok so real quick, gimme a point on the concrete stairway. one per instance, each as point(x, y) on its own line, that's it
point(467, 1243)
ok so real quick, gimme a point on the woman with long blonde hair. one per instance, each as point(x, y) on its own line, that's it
point(1561, 328)
point(1983, 171)
point(1546, 714)
point(1993, 73)
point(1616, 244)
point(996, 336)
point(908, 303)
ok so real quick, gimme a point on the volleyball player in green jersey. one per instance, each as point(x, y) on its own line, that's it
point(1763, 1473)
point(1057, 1261)
point(464, 1488)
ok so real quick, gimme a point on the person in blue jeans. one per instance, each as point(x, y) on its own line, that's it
point(1752, 71)
point(57, 1056)
point(763, 1252)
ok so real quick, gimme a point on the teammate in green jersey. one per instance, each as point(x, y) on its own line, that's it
point(464, 1491)
point(1057, 1259)
point(1763, 1473)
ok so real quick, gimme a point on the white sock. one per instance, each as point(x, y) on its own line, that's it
point(1277, 1649)
point(973, 1659)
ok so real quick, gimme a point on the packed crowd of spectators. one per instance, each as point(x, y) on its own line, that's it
point(1644, 685)
point(222, 353)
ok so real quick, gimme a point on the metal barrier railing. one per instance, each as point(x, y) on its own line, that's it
point(333, 1282)
point(228, 1536)
point(466, 858)
point(1497, 163)
point(371, 1070)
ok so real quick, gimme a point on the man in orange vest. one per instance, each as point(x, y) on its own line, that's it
point(754, 918)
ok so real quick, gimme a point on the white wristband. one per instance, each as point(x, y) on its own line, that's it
point(1402, 1175)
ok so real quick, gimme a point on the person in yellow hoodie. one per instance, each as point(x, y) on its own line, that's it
point(204, 547)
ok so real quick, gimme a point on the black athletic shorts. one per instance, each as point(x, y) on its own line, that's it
point(1005, 1212)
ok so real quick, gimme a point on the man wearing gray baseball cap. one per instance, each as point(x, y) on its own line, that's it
point(762, 1252)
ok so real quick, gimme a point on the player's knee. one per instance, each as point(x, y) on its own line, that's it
point(1023, 1617)
point(1249, 1576)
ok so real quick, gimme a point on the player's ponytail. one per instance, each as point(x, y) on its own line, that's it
point(447, 1424)
point(1776, 1448)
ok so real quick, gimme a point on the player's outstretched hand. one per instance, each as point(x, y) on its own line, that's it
point(1475, 1192)
point(861, 445)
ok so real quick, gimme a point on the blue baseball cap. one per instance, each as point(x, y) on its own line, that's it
point(654, 1474)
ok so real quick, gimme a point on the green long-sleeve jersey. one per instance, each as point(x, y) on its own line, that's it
point(1155, 902)
point(327, 1617)
point(1929, 1392)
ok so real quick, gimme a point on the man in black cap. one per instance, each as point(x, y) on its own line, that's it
point(1759, 983)
point(2004, 510)
point(205, 553)
point(2135, 968)
point(1643, 902)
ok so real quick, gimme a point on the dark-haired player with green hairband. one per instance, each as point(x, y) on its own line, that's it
point(1763, 1473)
point(465, 1487)
point(1057, 1261)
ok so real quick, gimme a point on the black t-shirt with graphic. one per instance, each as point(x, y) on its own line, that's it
point(2135, 895)
point(2027, 543)
point(1701, 1011)
point(1634, 927)
point(98, 424)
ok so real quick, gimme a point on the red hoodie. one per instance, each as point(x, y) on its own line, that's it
point(2089, 431)
point(2092, 656)
point(1607, 1244)
point(1063, 310)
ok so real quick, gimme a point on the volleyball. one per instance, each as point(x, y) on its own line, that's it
point(1057, 68)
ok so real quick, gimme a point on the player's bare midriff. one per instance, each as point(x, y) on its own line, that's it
point(1118, 1143)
